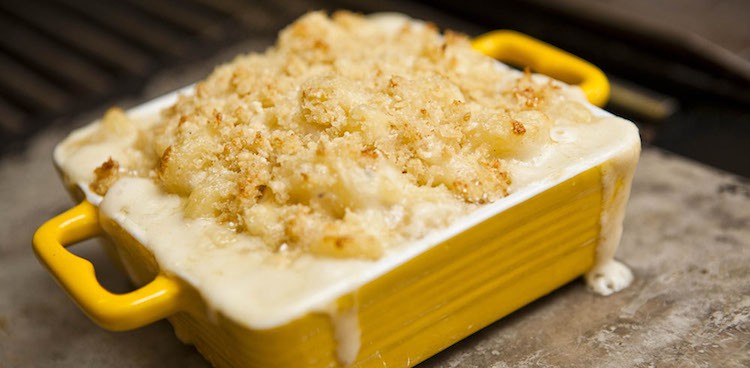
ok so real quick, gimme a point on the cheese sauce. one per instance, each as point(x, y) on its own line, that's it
point(261, 287)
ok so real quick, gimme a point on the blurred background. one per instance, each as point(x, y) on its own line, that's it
point(680, 69)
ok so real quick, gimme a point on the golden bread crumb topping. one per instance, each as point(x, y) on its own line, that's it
point(346, 136)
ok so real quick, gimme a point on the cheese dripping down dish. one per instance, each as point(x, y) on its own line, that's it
point(297, 174)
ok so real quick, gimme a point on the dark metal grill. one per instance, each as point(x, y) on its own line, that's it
point(59, 57)
point(62, 57)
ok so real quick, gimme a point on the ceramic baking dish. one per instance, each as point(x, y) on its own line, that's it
point(535, 241)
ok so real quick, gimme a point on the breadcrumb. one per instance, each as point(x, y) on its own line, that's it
point(348, 136)
point(104, 176)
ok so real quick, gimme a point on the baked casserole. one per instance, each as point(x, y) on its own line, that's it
point(367, 191)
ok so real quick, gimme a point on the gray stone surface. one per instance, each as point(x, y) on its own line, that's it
point(687, 240)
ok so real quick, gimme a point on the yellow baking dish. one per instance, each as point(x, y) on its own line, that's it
point(539, 241)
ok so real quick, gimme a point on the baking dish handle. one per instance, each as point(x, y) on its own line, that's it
point(154, 301)
point(521, 50)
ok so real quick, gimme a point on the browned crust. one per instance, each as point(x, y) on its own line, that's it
point(104, 176)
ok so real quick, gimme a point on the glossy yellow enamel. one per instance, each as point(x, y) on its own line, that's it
point(406, 315)
point(437, 298)
point(479, 276)
point(154, 301)
point(521, 50)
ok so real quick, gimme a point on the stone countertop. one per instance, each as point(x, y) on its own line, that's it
point(687, 239)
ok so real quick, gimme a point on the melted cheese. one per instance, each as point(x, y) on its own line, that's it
point(233, 269)
point(259, 287)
